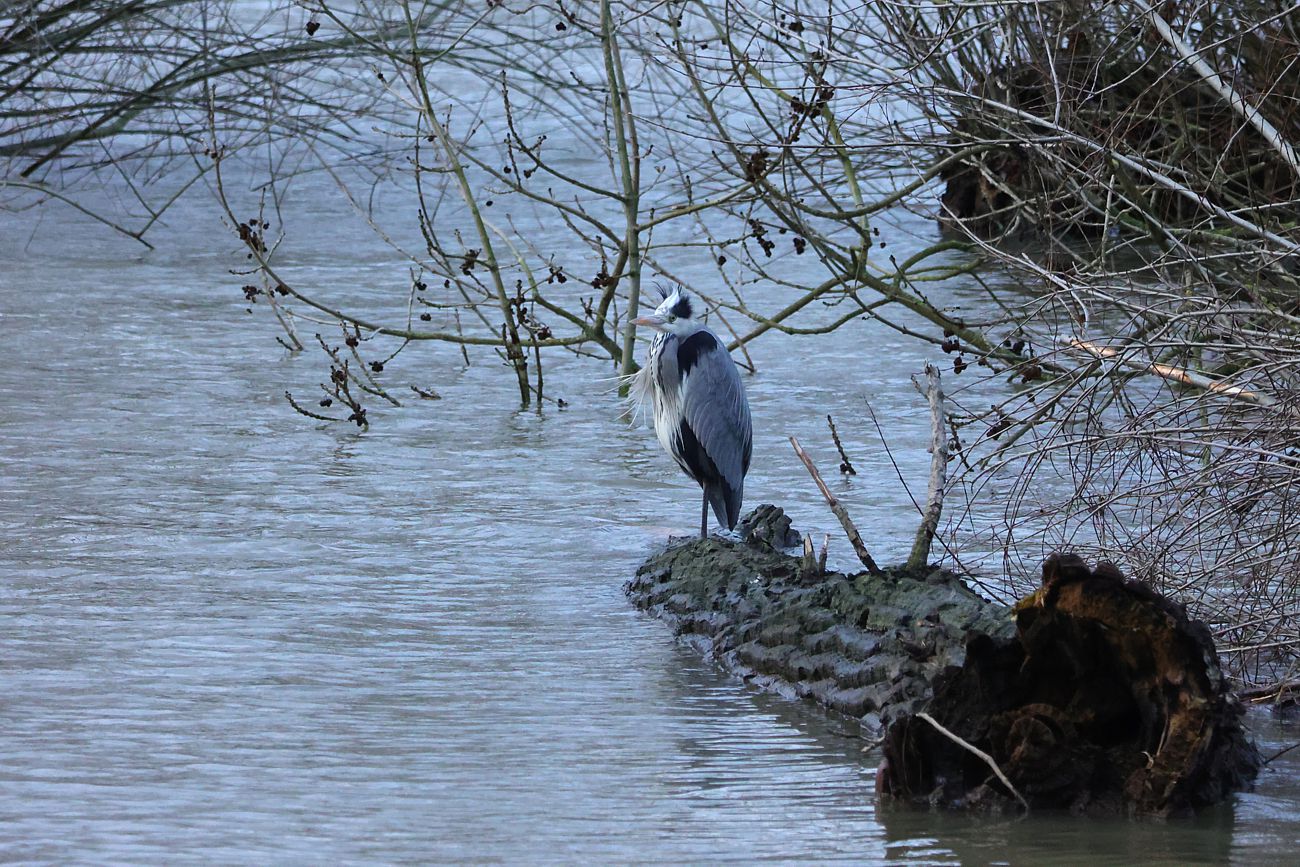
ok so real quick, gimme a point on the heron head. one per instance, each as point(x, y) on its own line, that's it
point(676, 315)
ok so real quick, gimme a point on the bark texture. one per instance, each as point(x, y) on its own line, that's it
point(1094, 694)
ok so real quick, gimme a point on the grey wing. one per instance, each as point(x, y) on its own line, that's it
point(715, 407)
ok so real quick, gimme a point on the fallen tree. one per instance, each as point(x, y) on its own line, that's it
point(1093, 694)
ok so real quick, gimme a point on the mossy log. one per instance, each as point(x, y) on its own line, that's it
point(1094, 694)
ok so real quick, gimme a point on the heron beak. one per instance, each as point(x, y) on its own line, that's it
point(651, 320)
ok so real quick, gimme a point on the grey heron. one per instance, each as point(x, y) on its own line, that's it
point(701, 415)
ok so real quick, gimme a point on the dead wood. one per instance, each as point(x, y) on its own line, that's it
point(855, 538)
point(1094, 694)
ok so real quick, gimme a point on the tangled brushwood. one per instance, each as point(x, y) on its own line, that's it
point(1149, 152)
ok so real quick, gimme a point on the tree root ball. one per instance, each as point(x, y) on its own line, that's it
point(1107, 699)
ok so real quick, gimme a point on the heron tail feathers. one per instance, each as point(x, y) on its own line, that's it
point(725, 501)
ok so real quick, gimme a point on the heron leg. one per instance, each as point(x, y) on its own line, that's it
point(704, 516)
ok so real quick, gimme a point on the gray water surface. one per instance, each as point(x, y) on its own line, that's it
point(229, 633)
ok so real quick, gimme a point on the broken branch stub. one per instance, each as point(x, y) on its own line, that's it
point(938, 472)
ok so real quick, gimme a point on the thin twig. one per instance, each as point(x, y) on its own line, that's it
point(988, 760)
point(1280, 753)
point(846, 466)
point(1175, 374)
point(426, 393)
point(855, 538)
point(299, 407)
point(1269, 692)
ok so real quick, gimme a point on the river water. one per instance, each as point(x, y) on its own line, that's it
point(233, 634)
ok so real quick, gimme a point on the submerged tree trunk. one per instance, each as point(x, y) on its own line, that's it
point(1093, 694)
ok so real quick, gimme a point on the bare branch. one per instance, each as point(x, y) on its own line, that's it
point(855, 538)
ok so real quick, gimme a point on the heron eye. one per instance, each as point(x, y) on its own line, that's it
point(672, 318)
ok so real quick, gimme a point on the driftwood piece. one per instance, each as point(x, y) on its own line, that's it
point(1095, 694)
